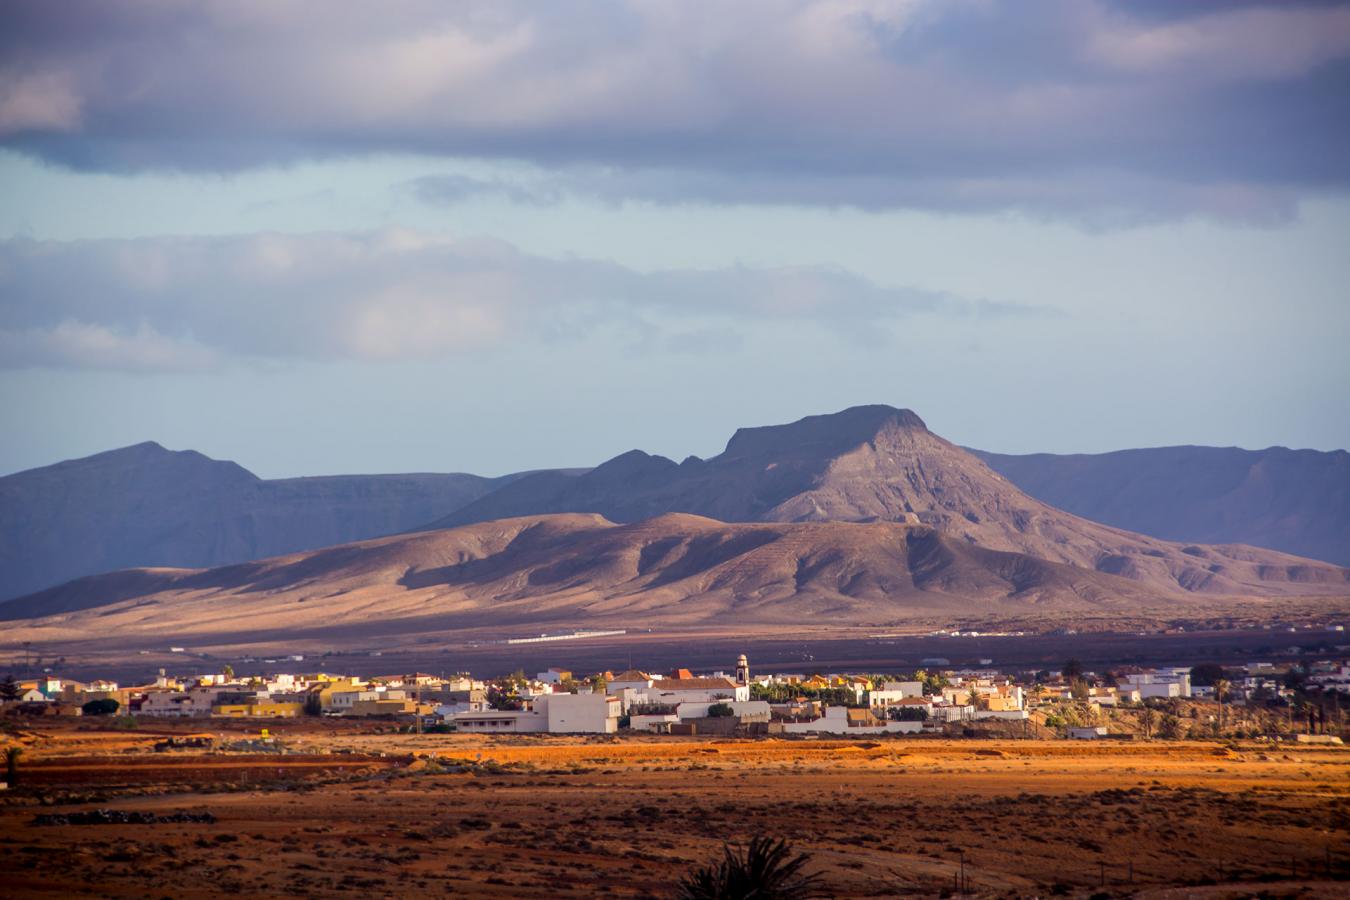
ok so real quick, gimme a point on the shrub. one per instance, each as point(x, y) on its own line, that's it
point(764, 870)
point(105, 707)
point(12, 755)
point(720, 711)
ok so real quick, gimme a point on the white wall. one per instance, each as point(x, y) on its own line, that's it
point(904, 688)
point(835, 721)
point(753, 709)
point(581, 713)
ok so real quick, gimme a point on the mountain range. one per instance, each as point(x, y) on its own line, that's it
point(861, 517)
point(148, 506)
point(1297, 501)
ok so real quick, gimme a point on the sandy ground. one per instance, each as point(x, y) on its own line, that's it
point(555, 817)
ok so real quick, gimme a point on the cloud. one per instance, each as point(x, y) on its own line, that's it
point(1094, 200)
point(189, 303)
point(79, 345)
point(1073, 108)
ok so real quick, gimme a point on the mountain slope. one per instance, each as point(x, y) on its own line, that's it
point(146, 506)
point(584, 570)
point(1297, 501)
point(877, 463)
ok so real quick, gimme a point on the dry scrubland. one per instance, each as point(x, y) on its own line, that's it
point(543, 817)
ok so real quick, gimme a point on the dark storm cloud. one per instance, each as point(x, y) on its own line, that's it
point(1108, 110)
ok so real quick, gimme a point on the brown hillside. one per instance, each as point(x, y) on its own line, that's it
point(584, 570)
point(877, 463)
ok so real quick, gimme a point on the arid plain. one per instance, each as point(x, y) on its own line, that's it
point(337, 808)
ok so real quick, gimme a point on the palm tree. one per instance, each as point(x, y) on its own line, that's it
point(1148, 718)
point(765, 870)
point(1221, 687)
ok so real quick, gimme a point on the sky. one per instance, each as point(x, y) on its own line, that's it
point(488, 237)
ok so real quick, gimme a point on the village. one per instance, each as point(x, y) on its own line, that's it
point(1249, 700)
point(313, 783)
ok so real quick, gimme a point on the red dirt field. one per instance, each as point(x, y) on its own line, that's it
point(543, 816)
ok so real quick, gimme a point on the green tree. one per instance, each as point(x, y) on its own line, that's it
point(720, 711)
point(1206, 674)
point(1072, 669)
point(104, 707)
point(9, 689)
point(313, 704)
point(764, 870)
point(228, 671)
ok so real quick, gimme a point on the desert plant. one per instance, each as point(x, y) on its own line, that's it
point(12, 755)
point(1149, 719)
point(763, 870)
point(1221, 687)
point(1169, 727)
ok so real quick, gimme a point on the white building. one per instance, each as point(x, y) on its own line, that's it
point(448, 711)
point(907, 688)
point(842, 720)
point(1168, 682)
point(170, 704)
point(581, 713)
point(951, 712)
point(1087, 733)
point(501, 721)
point(659, 722)
point(674, 691)
point(892, 692)
point(552, 713)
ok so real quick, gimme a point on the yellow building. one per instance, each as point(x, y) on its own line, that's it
point(260, 709)
point(336, 686)
point(389, 708)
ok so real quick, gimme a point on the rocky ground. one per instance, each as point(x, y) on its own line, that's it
point(102, 813)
